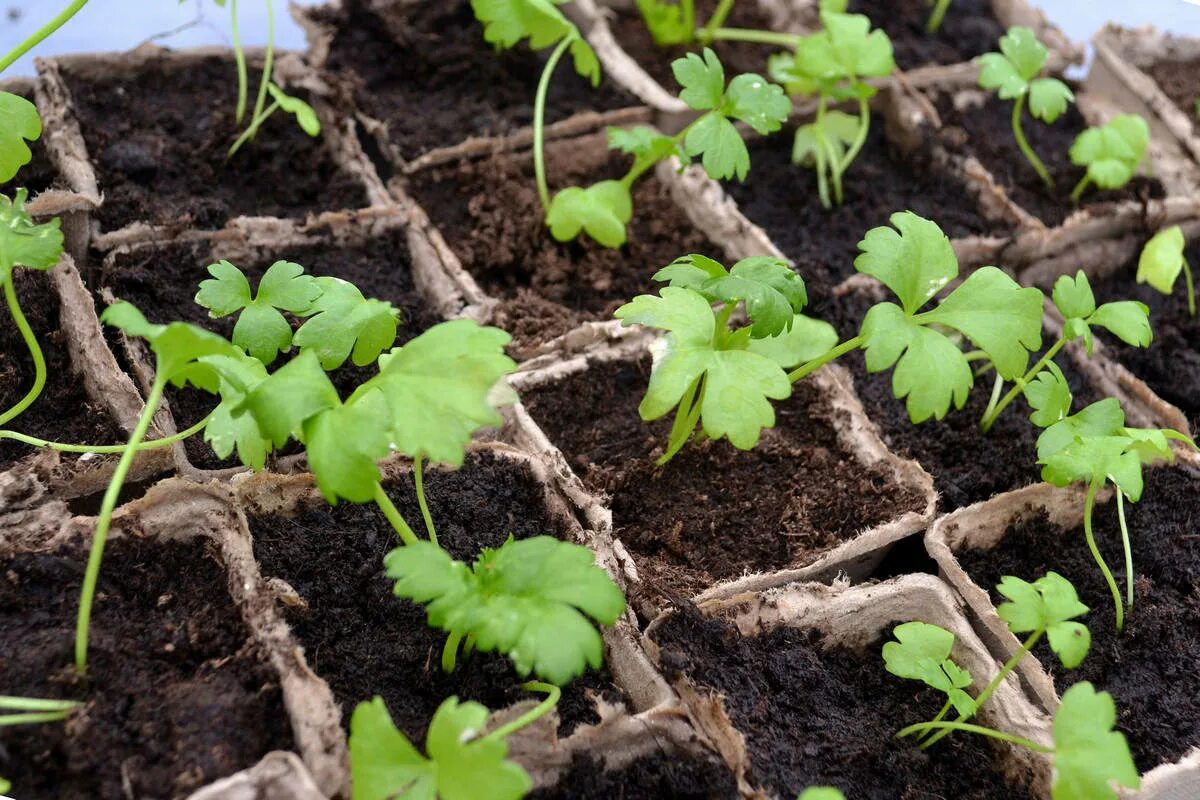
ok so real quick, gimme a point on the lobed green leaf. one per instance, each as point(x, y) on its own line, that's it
point(1162, 259)
point(602, 210)
point(23, 243)
point(344, 324)
point(1048, 604)
point(19, 121)
point(1089, 756)
point(1112, 152)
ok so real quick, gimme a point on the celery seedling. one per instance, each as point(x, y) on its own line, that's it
point(19, 121)
point(31, 711)
point(1111, 153)
point(1013, 72)
point(940, 7)
point(1162, 260)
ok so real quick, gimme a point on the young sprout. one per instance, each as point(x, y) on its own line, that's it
point(1013, 73)
point(31, 711)
point(940, 7)
point(19, 121)
point(674, 23)
point(1161, 262)
point(1111, 153)
point(38, 36)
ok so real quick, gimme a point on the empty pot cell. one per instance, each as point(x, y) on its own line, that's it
point(63, 412)
point(176, 695)
point(452, 84)
point(714, 512)
point(981, 126)
point(162, 280)
point(489, 213)
point(1150, 668)
point(969, 29)
point(158, 134)
point(647, 778)
point(362, 639)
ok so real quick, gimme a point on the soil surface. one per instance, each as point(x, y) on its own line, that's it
point(657, 777)
point(782, 198)
point(63, 412)
point(489, 213)
point(178, 697)
point(158, 141)
point(1150, 668)
point(969, 29)
point(819, 715)
point(453, 84)
point(1178, 80)
point(714, 512)
point(1171, 364)
point(162, 280)
point(985, 131)
point(634, 37)
point(365, 641)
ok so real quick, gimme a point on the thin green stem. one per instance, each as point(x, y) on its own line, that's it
point(41, 33)
point(251, 130)
point(1088, 504)
point(539, 120)
point(715, 21)
point(860, 139)
point(809, 367)
point(32, 719)
point(1128, 549)
point(419, 482)
point(35, 351)
point(940, 715)
point(936, 17)
point(989, 417)
point(819, 158)
point(450, 652)
point(10, 703)
point(105, 449)
point(774, 38)
point(993, 401)
point(268, 61)
point(1031, 156)
point(1191, 289)
point(393, 516)
point(688, 425)
point(975, 355)
point(832, 165)
point(104, 520)
point(682, 411)
point(553, 693)
point(979, 729)
point(239, 56)
point(1077, 192)
point(689, 14)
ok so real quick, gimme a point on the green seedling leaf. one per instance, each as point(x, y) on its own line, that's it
point(757, 102)
point(1048, 98)
point(1126, 319)
point(772, 291)
point(506, 22)
point(702, 79)
point(1019, 61)
point(1111, 153)
point(343, 445)
point(914, 260)
point(840, 130)
point(645, 144)
point(293, 394)
point(1102, 418)
point(845, 50)
point(228, 430)
point(306, 118)
point(1161, 260)
point(462, 763)
point(821, 793)
point(665, 22)
point(602, 210)
point(722, 151)
point(1073, 296)
point(19, 121)
point(1049, 396)
point(921, 652)
point(807, 339)
point(346, 325)
point(1089, 756)
point(1048, 604)
point(530, 600)
point(177, 347)
point(1095, 460)
point(22, 243)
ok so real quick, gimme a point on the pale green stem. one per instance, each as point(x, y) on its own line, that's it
point(989, 418)
point(1077, 192)
point(935, 18)
point(393, 516)
point(640, 166)
point(41, 33)
point(268, 61)
point(941, 714)
point(419, 482)
point(1034, 161)
point(1088, 504)
point(809, 367)
point(1191, 289)
point(10, 703)
point(251, 130)
point(968, 728)
point(833, 166)
point(450, 652)
point(774, 38)
point(689, 425)
point(682, 412)
point(553, 693)
point(153, 444)
point(689, 14)
point(715, 21)
point(1128, 549)
point(993, 401)
point(239, 56)
point(539, 120)
point(32, 719)
point(39, 361)
point(860, 139)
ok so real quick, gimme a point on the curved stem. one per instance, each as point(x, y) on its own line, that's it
point(809, 367)
point(982, 731)
point(936, 17)
point(105, 449)
point(682, 412)
point(715, 21)
point(450, 652)
point(268, 62)
point(539, 120)
point(35, 351)
point(1077, 192)
point(41, 33)
point(688, 425)
point(1128, 549)
point(553, 693)
point(1031, 156)
point(251, 130)
point(1191, 289)
point(1088, 505)
point(419, 482)
point(393, 516)
point(994, 401)
point(860, 139)
point(239, 56)
point(990, 417)
point(104, 520)
point(775, 38)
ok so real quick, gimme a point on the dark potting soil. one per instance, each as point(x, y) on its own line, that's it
point(656, 777)
point(178, 696)
point(782, 198)
point(63, 412)
point(1150, 668)
point(1178, 80)
point(1171, 364)
point(969, 29)
point(158, 141)
point(985, 131)
point(365, 641)
point(714, 512)
point(814, 714)
point(162, 280)
point(452, 84)
point(490, 214)
point(631, 33)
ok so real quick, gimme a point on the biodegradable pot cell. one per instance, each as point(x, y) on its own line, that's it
point(791, 684)
point(454, 91)
point(1149, 668)
point(819, 494)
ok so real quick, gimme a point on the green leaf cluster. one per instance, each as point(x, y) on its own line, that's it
point(24, 243)
point(834, 61)
point(921, 652)
point(1089, 756)
point(1111, 152)
point(19, 121)
point(507, 22)
point(1128, 320)
point(1013, 73)
point(1048, 604)
point(179, 348)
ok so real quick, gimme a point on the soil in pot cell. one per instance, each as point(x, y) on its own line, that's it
point(816, 714)
point(453, 84)
point(362, 639)
point(1150, 668)
point(984, 130)
point(489, 213)
point(1180, 81)
point(177, 695)
point(714, 512)
point(63, 412)
point(652, 777)
point(158, 138)
point(162, 281)
point(969, 29)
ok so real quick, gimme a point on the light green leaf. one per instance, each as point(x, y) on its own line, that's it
point(1112, 152)
point(1048, 604)
point(998, 73)
point(723, 153)
point(1049, 396)
point(584, 59)
point(922, 652)
point(507, 22)
point(821, 793)
point(1161, 260)
point(346, 325)
point(1073, 296)
point(226, 430)
point(1102, 418)
point(602, 210)
point(177, 347)
point(1089, 756)
point(644, 143)
point(665, 22)
point(19, 121)
point(1094, 461)
point(293, 394)
point(691, 272)
point(840, 129)
point(343, 445)
point(1023, 50)
point(915, 260)
point(757, 102)
point(22, 243)
point(702, 79)
point(772, 291)
point(306, 118)
point(1048, 98)
point(807, 339)
point(1128, 320)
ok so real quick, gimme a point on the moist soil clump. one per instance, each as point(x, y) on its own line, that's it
point(816, 714)
point(1171, 364)
point(969, 29)
point(158, 140)
point(652, 777)
point(985, 131)
point(1179, 81)
point(1150, 668)
point(63, 411)
point(178, 696)
point(781, 197)
point(631, 33)
point(454, 84)
point(490, 214)
point(162, 281)
point(365, 641)
point(714, 512)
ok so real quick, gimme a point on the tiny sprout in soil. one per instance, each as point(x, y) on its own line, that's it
point(1162, 260)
